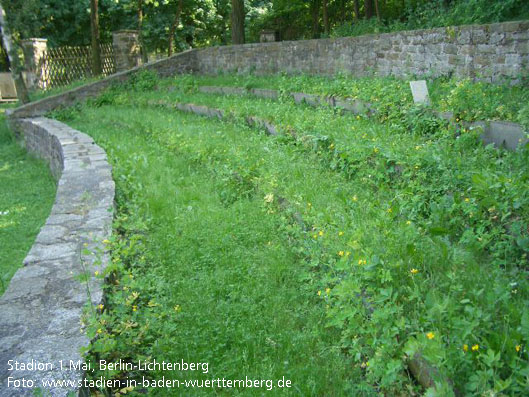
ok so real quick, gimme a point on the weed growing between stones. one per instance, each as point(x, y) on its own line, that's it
point(415, 244)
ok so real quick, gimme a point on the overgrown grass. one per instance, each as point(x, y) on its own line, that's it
point(417, 242)
point(208, 271)
point(27, 191)
point(468, 100)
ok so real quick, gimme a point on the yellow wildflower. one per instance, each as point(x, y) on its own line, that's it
point(177, 308)
point(518, 348)
point(340, 253)
point(96, 273)
point(465, 347)
point(319, 293)
point(99, 331)
point(414, 271)
point(315, 236)
point(347, 253)
point(100, 306)
point(390, 210)
point(269, 198)
point(106, 241)
point(375, 150)
point(331, 146)
point(327, 291)
point(475, 348)
point(355, 198)
point(467, 200)
point(430, 335)
point(340, 233)
point(320, 233)
point(408, 222)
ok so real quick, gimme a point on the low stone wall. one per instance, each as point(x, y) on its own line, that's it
point(41, 310)
point(489, 52)
point(502, 134)
point(184, 62)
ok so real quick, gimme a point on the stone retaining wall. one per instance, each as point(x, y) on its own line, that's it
point(489, 52)
point(41, 310)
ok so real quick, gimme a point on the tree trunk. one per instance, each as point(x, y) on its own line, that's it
point(357, 10)
point(368, 8)
point(96, 47)
point(377, 10)
point(315, 11)
point(16, 69)
point(174, 25)
point(326, 26)
point(143, 50)
point(237, 21)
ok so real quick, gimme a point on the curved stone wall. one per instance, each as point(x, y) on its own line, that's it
point(41, 310)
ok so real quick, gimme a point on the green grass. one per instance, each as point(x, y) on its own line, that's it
point(417, 241)
point(214, 257)
point(27, 191)
point(468, 100)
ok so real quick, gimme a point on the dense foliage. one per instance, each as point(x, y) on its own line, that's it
point(207, 22)
point(414, 240)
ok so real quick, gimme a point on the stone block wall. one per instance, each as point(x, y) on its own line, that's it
point(487, 52)
point(41, 310)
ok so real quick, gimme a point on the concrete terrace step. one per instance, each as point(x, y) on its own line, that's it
point(500, 133)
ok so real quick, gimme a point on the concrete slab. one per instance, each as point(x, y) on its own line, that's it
point(7, 86)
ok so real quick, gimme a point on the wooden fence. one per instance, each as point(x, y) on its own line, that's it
point(64, 65)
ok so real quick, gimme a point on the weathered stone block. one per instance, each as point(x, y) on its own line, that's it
point(127, 50)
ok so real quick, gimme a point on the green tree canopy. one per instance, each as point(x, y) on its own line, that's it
point(207, 22)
